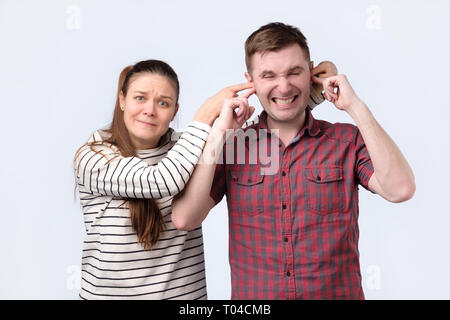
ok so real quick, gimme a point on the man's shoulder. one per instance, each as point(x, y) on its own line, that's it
point(338, 131)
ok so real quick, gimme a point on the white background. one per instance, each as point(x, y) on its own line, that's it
point(59, 64)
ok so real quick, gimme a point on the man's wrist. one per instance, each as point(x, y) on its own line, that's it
point(357, 109)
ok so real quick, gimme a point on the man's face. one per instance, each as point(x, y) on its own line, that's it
point(282, 80)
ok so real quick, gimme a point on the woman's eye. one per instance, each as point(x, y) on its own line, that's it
point(163, 103)
point(140, 98)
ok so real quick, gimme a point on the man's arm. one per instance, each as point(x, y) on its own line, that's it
point(393, 178)
point(192, 206)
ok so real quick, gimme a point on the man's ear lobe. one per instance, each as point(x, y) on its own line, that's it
point(311, 65)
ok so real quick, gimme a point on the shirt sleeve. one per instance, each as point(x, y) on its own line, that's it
point(219, 185)
point(314, 99)
point(105, 172)
point(364, 168)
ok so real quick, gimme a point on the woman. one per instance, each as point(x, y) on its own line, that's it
point(127, 176)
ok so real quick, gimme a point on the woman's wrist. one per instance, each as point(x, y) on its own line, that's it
point(205, 116)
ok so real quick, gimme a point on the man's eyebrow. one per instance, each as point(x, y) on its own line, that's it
point(296, 68)
point(265, 72)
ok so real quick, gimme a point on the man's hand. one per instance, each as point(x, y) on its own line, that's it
point(339, 91)
point(322, 71)
point(235, 112)
point(212, 107)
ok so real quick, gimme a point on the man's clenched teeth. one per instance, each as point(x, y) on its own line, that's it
point(284, 101)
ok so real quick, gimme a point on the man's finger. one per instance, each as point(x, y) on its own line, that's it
point(331, 94)
point(250, 112)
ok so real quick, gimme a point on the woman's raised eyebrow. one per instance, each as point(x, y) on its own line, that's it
point(166, 97)
point(145, 93)
point(140, 92)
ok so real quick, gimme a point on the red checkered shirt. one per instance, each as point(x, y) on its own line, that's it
point(293, 234)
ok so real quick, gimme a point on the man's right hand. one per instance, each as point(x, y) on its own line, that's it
point(212, 107)
point(235, 112)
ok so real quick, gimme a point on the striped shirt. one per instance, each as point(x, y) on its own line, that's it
point(114, 264)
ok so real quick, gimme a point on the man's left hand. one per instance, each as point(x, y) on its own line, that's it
point(339, 91)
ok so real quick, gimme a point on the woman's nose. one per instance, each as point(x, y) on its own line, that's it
point(149, 108)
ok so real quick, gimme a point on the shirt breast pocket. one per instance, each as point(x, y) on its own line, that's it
point(324, 189)
point(247, 191)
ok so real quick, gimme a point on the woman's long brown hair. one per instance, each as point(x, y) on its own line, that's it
point(146, 218)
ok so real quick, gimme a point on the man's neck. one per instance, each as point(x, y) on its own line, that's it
point(288, 130)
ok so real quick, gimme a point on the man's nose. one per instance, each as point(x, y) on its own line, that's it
point(283, 85)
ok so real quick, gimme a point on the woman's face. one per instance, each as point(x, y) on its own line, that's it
point(148, 108)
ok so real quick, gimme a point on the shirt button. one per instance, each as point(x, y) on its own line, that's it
point(286, 239)
point(284, 206)
point(283, 173)
point(318, 178)
point(288, 274)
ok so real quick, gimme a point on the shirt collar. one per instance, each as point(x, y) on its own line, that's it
point(311, 125)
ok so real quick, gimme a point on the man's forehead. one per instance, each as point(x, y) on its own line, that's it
point(280, 60)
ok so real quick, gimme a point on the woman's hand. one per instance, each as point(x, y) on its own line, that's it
point(322, 71)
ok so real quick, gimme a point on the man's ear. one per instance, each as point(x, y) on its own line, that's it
point(176, 110)
point(248, 77)
point(311, 67)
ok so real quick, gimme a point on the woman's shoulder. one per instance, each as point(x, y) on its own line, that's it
point(99, 136)
point(99, 143)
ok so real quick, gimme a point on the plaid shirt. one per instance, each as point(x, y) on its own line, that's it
point(294, 234)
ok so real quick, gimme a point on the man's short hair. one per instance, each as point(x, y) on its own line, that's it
point(272, 37)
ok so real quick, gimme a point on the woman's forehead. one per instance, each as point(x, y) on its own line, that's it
point(152, 83)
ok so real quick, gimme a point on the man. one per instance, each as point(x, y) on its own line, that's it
point(294, 232)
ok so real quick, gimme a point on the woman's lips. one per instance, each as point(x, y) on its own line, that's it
point(148, 124)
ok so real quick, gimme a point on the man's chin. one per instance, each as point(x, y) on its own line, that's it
point(286, 115)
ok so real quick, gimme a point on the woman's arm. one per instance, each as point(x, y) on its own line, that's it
point(131, 177)
point(193, 205)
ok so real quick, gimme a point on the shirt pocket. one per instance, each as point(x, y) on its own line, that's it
point(324, 189)
point(247, 191)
